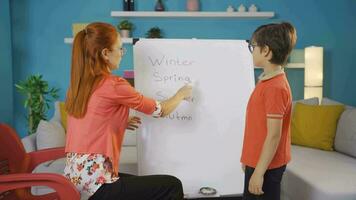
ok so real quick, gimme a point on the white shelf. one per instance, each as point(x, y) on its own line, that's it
point(193, 14)
point(124, 40)
point(127, 40)
point(68, 40)
point(291, 66)
point(295, 65)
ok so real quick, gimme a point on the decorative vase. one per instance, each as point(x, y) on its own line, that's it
point(230, 9)
point(242, 8)
point(252, 8)
point(159, 6)
point(125, 33)
point(193, 5)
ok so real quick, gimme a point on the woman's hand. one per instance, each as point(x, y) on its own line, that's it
point(133, 122)
point(255, 185)
point(172, 103)
point(185, 92)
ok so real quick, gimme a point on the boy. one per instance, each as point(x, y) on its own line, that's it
point(266, 146)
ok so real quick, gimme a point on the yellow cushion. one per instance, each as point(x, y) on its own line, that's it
point(63, 115)
point(76, 27)
point(315, 125)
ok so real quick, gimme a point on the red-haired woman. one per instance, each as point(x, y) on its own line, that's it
point(98, 104)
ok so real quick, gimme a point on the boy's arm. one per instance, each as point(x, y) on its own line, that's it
point(274, 131)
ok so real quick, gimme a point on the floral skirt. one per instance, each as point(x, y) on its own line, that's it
point(88, 172)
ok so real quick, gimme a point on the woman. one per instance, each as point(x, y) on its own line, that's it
point(98, 106)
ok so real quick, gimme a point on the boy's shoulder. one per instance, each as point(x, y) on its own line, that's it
point(276, 85)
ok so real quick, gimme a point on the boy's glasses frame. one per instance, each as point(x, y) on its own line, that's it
point(251, 46)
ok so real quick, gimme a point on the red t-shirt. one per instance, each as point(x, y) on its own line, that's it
point(270, 99)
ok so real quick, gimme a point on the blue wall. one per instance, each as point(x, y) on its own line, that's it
point(39, 27)
point(6, 83)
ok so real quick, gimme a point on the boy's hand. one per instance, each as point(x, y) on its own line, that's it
point(255, 185)
point(133, 123)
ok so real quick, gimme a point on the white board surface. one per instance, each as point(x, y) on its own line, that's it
point(201, 141)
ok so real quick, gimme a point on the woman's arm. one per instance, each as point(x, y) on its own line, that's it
point(172, 103)
point(164, 108)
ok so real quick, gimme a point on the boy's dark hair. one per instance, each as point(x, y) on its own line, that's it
point(280, 38)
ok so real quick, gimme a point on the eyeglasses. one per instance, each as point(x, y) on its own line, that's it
point(122, 50)
point(251, 46)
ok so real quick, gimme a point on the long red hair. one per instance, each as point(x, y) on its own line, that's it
point(88, 65)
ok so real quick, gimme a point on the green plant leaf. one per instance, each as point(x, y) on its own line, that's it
point(38, 96)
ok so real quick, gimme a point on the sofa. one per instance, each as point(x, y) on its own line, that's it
point(315, 174)
point(51, 134)
point(312, 174)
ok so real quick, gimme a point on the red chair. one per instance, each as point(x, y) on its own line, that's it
point(16, 166)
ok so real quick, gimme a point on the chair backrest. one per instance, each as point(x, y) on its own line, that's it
point(4, 169)
point(13, 157)
point(12, 150)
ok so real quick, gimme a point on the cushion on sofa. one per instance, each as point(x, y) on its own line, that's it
point(63, 113)
point(29, 142)
point(327, 101)
point(314, 174)
point(56, 166)
point(345, 139)
point(310, 101)
point(315, 126)
point(60, 115)
point(57, 113)
point(49, 135)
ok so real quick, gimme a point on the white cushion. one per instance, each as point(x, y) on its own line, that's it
point(56, 166)
point(29, 142)
point(49, 135)
point(57, 113)
point(319, 175)
point(345, 139)
point(327, 101)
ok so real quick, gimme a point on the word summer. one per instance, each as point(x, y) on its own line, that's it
point(158, 77)
point(180, 117)
point(165, 61)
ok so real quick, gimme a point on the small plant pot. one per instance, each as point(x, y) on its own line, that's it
point(125, 33)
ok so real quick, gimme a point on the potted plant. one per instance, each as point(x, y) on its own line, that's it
point(154, 32)
point(38, 97)
point(125, 27)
